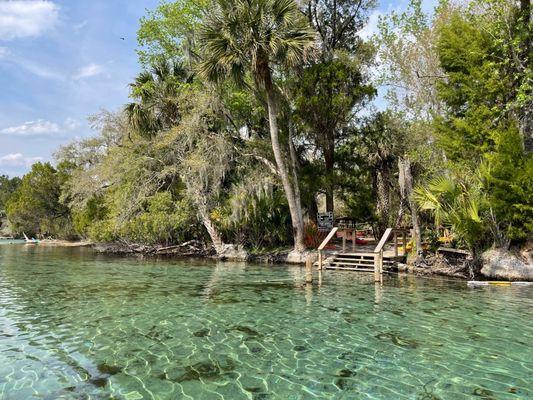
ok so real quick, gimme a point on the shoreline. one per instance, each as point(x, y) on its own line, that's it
point(437, 266)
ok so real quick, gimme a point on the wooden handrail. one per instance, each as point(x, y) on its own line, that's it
point(323, 244)
point(383, 240)
point(328, 238)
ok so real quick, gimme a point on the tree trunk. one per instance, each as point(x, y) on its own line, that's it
point(213, 233)
point(295, 182)
point(525, 116)
point(382, 191)
point(295, 211)
point(406, 187)
point(329, 159)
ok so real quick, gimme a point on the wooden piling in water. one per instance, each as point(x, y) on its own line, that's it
point(376, 268)
point(309, 270)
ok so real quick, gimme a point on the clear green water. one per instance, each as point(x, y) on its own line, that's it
point(75, 325)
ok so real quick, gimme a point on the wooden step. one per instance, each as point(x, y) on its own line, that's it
point(361, 261)
point(350, 268)
point(353, 269)
point(364, 261)
point(339, 264)
point(351, 263)
point(369, 254)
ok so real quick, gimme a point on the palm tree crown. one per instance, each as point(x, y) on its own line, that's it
point(155, 92)
point(244, 35)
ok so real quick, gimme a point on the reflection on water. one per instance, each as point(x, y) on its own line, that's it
point(77, 325)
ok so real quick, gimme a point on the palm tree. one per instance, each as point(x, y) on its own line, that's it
point(457, 202)
point(253, 36)
point(155, 94)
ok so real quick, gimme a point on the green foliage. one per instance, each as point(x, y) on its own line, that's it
point(151, 188)
point(169, 30)
point(374, 148)
point(459, 203)
point(478, 132)
point(164, 221)
point(338, 23)
point(472, 91)
point(326, 97)
point(507, 175)
point(326, 93)
point(186, 158)
point(94, 211)
point(35, 207)
point(409, 63)
point(156, 92)
point(241, 36)
point(7, 187)
point(255, 217)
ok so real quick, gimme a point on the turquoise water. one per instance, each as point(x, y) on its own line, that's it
point(76, 325)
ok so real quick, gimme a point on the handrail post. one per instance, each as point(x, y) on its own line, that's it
point(354, 238)
point(323, 245)
point(378, 255)
point(344, 241)
point(378, 266)
point(381, 263)
point(404, 240)
point(395, 244)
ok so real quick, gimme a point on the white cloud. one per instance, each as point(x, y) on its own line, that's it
point(18, 160)
point(9, 57)
point(71, 124)
point(88, 71)
point(41, 127)
point(26, 18)
point(39, 70)
point(81, 25)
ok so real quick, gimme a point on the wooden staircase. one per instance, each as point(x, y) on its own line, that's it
point(377, 261)
point(363, 262)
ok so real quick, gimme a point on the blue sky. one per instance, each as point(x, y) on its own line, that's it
point(63, 60)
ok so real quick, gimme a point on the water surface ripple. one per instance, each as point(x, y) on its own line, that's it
point(76, 325)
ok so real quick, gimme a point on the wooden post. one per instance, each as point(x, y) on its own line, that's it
point(319, 260)
point(404, 240)
point(354, 239)
point(381, 263)
point(344, 241)
point(376, 267)
point(395, 244)
point(309, 270)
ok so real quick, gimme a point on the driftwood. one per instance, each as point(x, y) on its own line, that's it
point(190, 248)
point(459, 252)
point(454, 263)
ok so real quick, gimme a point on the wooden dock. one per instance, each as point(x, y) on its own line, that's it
point(378, 258)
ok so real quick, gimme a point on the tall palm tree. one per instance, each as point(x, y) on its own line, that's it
point(253, 36)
